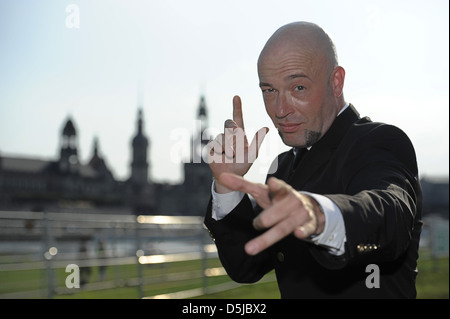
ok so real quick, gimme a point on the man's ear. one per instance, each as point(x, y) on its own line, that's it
point(337, 80)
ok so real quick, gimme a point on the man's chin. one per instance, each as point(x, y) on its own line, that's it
point(291, 140)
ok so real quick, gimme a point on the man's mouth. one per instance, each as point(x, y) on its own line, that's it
point(289, 127)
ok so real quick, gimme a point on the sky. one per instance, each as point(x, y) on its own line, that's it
point(98, 61)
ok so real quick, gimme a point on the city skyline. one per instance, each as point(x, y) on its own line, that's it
point(164, 57)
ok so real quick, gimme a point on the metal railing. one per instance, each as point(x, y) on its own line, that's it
point(123, 251)
point(47, 244)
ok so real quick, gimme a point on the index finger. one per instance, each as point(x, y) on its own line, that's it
point(270, 237)
point(260, 192)
point(237, 112)
point(238, 183)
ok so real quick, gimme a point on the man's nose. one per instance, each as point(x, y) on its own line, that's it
point(282, 106)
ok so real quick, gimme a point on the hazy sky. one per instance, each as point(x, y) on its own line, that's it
point(395, 53)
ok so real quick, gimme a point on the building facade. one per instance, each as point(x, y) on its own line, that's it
point(68, 185)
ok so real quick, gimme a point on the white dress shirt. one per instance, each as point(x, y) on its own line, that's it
point(333, 236)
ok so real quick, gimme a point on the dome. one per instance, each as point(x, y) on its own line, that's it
point(140, 140)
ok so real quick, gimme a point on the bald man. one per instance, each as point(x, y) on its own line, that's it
point(340, 213)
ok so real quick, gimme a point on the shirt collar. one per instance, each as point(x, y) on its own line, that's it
point(343, 109)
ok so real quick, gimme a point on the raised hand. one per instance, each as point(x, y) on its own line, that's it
point(230, 152)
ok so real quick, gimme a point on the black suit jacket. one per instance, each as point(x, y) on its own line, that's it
point(369, 171)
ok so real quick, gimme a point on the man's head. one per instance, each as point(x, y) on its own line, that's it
point(301, 82)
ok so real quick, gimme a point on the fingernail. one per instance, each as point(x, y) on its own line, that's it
point(256, 224)
point(251, 248)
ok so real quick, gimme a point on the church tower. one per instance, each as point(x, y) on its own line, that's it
point(197, 174)
point(200, 139)
point(139, 164)
point(68, 160)
point(141, 192)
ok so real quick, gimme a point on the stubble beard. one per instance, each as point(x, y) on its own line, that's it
point(311, 137)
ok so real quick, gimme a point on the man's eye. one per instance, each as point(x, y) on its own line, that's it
point(300, 88)
point(268, 90)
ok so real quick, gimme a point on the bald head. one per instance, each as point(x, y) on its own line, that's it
point(304, 36)
point(301, 82)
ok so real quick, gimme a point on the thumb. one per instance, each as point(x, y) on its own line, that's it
point(278, 189)
point(237, 183)
point(254, 147)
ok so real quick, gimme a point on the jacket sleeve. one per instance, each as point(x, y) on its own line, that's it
point(382, 201)
point(230, 235)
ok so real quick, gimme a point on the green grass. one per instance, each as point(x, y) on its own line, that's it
point(433, 279)
point(432, 282)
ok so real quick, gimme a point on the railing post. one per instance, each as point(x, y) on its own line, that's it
point(116, 253)
point(139, 254)
point(204, 262)
point(48, 257)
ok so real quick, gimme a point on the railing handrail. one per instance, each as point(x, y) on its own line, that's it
point(159, 219)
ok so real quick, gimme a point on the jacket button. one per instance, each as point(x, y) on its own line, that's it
point(280, 256)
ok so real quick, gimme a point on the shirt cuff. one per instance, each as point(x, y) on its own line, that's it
point(333, 236)
point(223, 204)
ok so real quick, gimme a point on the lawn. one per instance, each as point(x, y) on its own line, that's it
point(120, 282)
point(432, 283)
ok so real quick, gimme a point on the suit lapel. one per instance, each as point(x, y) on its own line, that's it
point(321, 151)
point(309, 165)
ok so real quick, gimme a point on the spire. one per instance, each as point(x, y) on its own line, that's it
point(139, 164)
point(203, 117)
point(140, 140)
point(68, 160)
point(69, 128)
point(200, 138)
point(96, 161)
point(202, 108)
point(95, 147)
point(140, 121)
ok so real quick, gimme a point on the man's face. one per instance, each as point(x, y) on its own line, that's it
point(297, 93)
